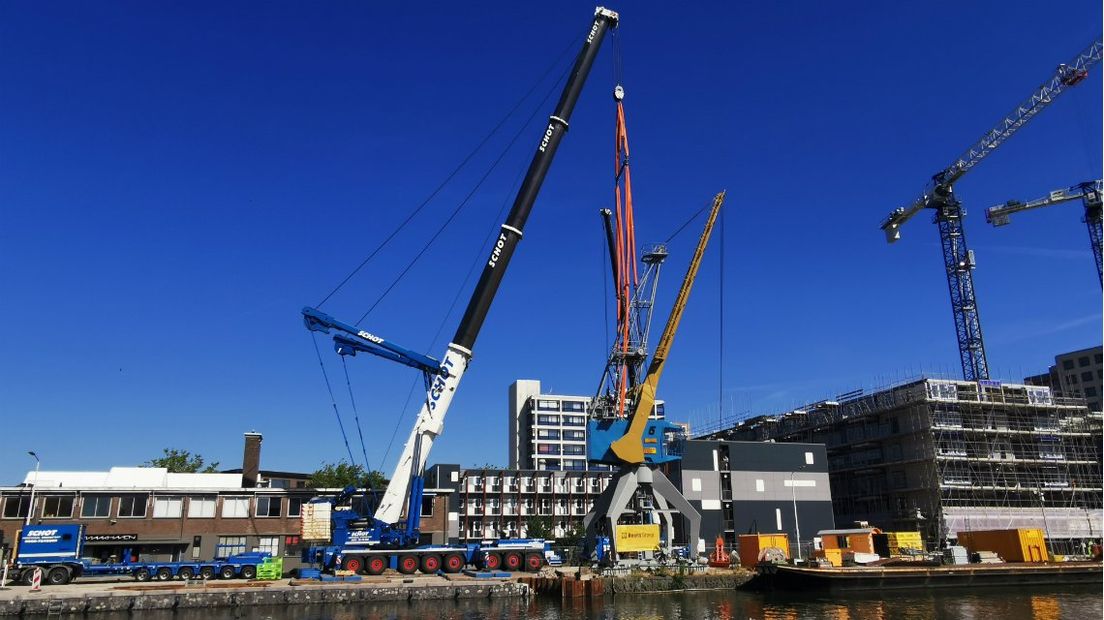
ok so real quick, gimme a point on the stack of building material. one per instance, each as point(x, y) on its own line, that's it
point(316, 521)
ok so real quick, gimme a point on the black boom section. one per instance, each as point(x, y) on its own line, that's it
point(510, 233)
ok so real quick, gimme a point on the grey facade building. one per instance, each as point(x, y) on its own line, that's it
point(1077, 374)
point(944, 456)
point(743, 487)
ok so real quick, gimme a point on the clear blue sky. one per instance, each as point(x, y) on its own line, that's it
point(178, 179)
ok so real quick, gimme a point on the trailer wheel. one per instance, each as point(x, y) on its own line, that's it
point(227, 572)
point(533, 562)
point(142, 574)
point(453, 563)
point(186, 573)
point(58, 576)
point(164, 574)
point(512, 561)
point(207, 572)
point(431, 564)
point(376, 566)
point(491, 561)
point(408, 564)
point(354, 564)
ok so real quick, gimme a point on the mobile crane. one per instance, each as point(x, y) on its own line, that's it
point(1088, 192)
point(386, 538)
point(939, 196)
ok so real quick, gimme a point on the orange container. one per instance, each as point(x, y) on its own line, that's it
point(752, 545)
point(1019, 545)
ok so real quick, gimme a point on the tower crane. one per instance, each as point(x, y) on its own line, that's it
point(939, 196)
point(1090, 194)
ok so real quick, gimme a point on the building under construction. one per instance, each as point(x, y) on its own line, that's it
point(944, 456)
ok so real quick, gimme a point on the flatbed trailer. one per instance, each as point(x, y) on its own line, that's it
point(56, 551)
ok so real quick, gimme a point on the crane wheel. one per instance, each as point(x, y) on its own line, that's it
point(492, 561)
point(533, 562)
point(227, 572)
point(249, 572)
point(512, 561)
point(58, 576)
point(431, 564)
point(353, 564)
point(376, 566)
point(408, 564)
point(453, 563)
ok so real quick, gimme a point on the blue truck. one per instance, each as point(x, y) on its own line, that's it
point(57, 551)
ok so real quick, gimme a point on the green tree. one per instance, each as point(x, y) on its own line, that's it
point(342, 474)
point(538, 527)
point(182, 462)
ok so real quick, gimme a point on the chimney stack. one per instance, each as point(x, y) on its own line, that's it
point(251, 461)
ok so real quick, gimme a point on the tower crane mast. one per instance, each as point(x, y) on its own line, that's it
point(1089, 193)
point(939, 196)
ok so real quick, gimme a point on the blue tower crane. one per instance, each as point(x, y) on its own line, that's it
point(958, 259)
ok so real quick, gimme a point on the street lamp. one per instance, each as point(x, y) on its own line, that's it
point(30, 507)
point(797, 524)
point(1046, 528)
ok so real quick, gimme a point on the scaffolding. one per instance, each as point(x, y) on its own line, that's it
point(944, 456)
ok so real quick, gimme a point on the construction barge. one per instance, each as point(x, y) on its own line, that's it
point(924, 577)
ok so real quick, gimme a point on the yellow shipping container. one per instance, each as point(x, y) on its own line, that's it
point(1019, 545)
point(752, 545)
point(899, 541)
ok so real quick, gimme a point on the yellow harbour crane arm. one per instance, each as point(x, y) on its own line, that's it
point(630, 447)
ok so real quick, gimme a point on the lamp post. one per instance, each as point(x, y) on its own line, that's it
point(1046, 528)
point(30, 507)
point(797, 524)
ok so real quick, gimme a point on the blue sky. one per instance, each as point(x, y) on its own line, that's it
point(177, 180)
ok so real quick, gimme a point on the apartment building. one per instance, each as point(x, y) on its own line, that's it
point(944, 456)
point(1077, 374)
point(548, 432)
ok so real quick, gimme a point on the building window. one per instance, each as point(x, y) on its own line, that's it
point(167, 507)
point(574, 435)
point(574, 465)
point(201, 507)
point(235, 508)
point(95, 506)
point(1083, 361)
point(573, 405)
point(574, 450)
point(229, 545)
point(1090, 391)
point(548, 405)
point(1050, 448)
point(295, 506)
point(427, 505)
point(547, 448)
point(1067, 364)
point(16, 507)
point(133, 506)
point(57, 508)
point(291, 546)
point(548, 434)
point(551, 420)
point(938, 390)
point(268, 506)
point(574, 420)
point(658, 410)
point(1086, 376)
point(946, 418)
point(269, 544)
